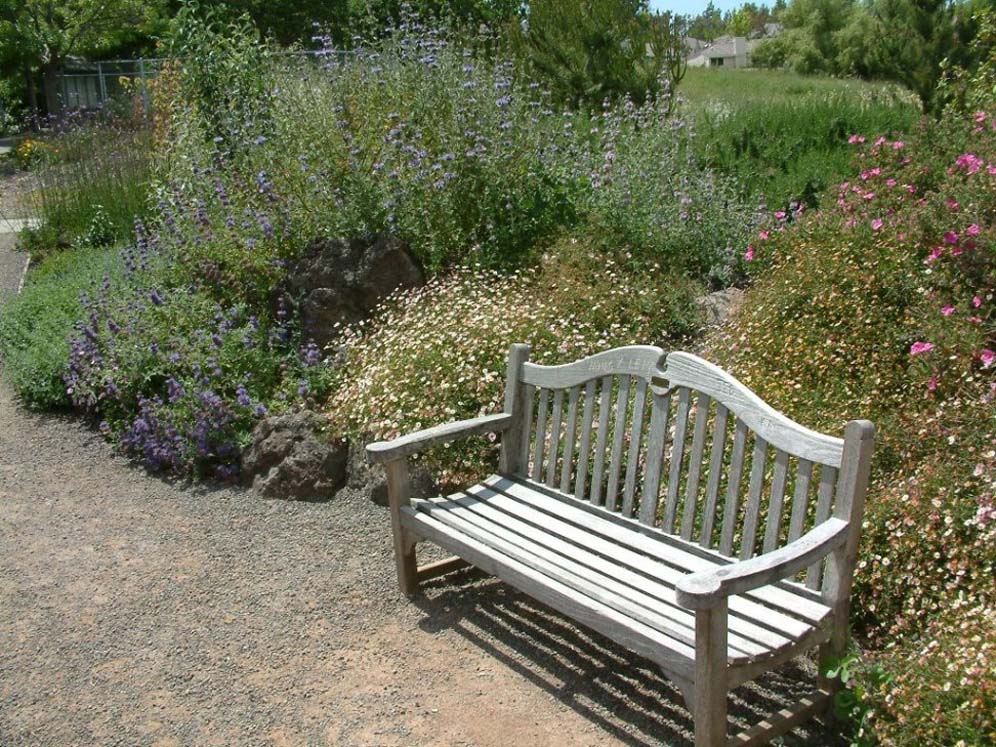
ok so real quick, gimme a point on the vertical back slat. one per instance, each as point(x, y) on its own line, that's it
point(618, 436)
point(677, 452)
point(695, 465)
point(544, 403)
point(558, 416)
point(570, 439)
point(715, 474)
point(828, 478)
point(636, 435)
point(584, 450)
point(598, 474)
point(800, 499)
point(732, 507)
point(754, 491)
point(776, 501)
point(656, 441)
point(527, 427)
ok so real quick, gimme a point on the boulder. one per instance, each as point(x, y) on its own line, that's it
point(341, 282)
point(719, 306)
point(370, 478)
point(292, 457)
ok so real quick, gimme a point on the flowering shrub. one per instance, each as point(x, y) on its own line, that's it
point(463, 324)
point(178, 379)
point(427, 138)
point(881, 306)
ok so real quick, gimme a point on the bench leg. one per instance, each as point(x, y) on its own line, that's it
point(831, 651)
point(398, 495)
point(709, 709)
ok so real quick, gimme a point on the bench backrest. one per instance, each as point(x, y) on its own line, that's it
point(676, 443)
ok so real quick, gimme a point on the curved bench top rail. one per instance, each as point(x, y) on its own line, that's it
point(685, 369)
point(635, 360)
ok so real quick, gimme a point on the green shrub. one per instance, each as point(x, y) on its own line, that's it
point(91, 185)
point(35, 326)
point(810, 152)
point(882, 306)
point(444, 147)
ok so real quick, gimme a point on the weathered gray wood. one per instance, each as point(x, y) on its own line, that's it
point(695, 466)
point(510, 459)
point(440, 568)
point(583, 569)
point(800, 498)
point(704, 589)
point(852, 484)
point(554, 451)
point(618, 436)
point(598, 473)
point(715, 475)
point(527, 430)
point(636, 437)
point(754, 490)
point(828, 477)
point(710, 623)
point(680, 557)
point(570, 439)
point(539, 445)
point(685, 369)
point(776, 501)
point(412, 443)
point(782, 721)
point(709, 712)
point(584, 450)
point(398, 497)
point(635, 360)
point(659, 413)
point(732, 506)
point(600, 558)
point(641, 639)
point(677, 457)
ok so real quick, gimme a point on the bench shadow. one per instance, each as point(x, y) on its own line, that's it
point(623, 694)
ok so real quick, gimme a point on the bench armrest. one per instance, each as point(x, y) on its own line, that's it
point(412, 443)
point(706, 589)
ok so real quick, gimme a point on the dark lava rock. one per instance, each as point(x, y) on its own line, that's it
point(292, 457)
point(341, 282)
point(371, 479)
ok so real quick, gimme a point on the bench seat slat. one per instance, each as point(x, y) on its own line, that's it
point(587, 555)
point(669, 653)
point(670, 620)
point(779, 601)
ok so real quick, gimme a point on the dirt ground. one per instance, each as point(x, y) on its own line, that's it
point(135, 611)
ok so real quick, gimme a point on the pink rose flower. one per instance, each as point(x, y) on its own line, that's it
point(973, 230)
point(856, 139)
point(918, 348)
point(947, 310)
point(749, 254)
point(977, 301)
point(932, 384)
point(950, 237)
point(987, 356)
point(876, 224)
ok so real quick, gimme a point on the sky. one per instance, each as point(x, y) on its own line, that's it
point(694, 7)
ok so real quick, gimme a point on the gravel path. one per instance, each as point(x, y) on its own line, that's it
point(134, 611)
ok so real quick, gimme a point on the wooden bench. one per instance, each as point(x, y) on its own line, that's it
point(658, 501)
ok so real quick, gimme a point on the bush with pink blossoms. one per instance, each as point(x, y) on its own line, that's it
point(882, 306)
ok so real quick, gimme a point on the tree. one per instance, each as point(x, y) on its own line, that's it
point(41, 35)
point(914, 37)
point(741, 23)
point(587, 51)
point(708, 24)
